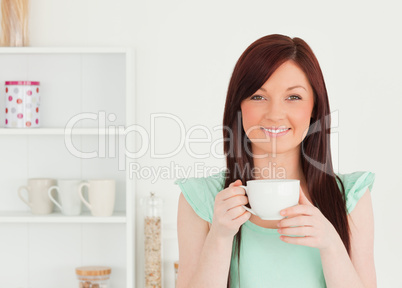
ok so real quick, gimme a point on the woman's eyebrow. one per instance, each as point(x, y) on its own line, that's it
point(296, 86)
point(290, 88)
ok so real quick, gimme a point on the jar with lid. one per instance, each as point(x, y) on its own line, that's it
point(93, 276)
point(176, 270)
point(153, 241)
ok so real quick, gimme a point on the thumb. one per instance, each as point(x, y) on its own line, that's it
point(303, 199)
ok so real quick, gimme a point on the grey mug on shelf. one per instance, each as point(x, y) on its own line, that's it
point(38, 199)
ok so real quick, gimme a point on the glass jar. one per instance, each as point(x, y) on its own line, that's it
point(153, 241)
point(176, 270)
point(93, 276)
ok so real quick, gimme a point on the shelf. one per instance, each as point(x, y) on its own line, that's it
point(61, 50)
point(57, 131)
point(85, 217)
point(75, 80)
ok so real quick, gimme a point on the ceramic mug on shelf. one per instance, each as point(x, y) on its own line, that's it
point(70, 202)
point(267, 197)
point(22, 104)
point(101, 196)
point(38, 199)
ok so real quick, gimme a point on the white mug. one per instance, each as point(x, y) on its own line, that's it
point(70, 201)
point(267, 197)
point(38, 199)
point(101, 196)
point(22, 104)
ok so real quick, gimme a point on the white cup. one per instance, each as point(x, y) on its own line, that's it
point(267, 197)
point(101, 196)
point(70, 202)
point(38, 199)
point(22, 104)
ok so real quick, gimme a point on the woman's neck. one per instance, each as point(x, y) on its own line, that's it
point(280, 166)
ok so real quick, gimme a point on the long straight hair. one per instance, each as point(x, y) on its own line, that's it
point(252, 70)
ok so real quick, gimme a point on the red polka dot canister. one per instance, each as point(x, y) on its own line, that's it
point(22, 104)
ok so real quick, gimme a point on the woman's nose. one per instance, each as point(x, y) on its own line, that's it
point(275, 111)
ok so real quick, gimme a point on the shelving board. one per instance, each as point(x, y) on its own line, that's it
point(61, 50)
point(59, 131)
point(85, 217)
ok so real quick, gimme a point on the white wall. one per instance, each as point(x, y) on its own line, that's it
point(185, 53)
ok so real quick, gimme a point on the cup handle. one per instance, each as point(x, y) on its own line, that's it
point(21, 197)
point(248, 209)
point(49, 192)
point(82, 196)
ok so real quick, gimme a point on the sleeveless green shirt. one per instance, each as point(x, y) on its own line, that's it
point(265, 260)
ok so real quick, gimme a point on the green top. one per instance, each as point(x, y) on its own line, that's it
point(265, 260)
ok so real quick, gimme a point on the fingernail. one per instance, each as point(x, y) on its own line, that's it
point(283, 212)
point(279, 224)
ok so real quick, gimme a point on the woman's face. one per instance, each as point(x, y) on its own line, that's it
point(285, 101)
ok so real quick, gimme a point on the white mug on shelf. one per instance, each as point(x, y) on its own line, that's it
point(38, 199)
point(101, 196)
point(22, 104)
point(70, 203)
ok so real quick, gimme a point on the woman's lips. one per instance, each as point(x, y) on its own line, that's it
point(271, 134)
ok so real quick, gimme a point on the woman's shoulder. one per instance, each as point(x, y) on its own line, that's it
point(200, 192)
point(356, 184)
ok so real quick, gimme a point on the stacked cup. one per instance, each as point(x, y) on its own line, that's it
point(42, 196)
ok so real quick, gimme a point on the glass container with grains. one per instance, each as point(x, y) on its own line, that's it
point(153, 241)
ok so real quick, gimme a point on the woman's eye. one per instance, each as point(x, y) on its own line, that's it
point(295, 97)
point(257, 97)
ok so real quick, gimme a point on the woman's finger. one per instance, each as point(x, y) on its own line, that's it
point(299, 209)
point(298, 231)
point(235, 201)
point(230, 192)
point(235, 212)
point(299, 220)
point(305, 241)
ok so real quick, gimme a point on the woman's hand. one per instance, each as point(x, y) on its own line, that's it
point(315, 229)
point(229, 215)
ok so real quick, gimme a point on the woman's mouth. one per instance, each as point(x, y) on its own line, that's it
point(275, 132)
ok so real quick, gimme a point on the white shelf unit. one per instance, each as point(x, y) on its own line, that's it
point(43, 250)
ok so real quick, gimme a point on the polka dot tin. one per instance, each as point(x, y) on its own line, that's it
point(22, 104)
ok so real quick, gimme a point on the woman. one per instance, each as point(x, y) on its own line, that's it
point(277, 125)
